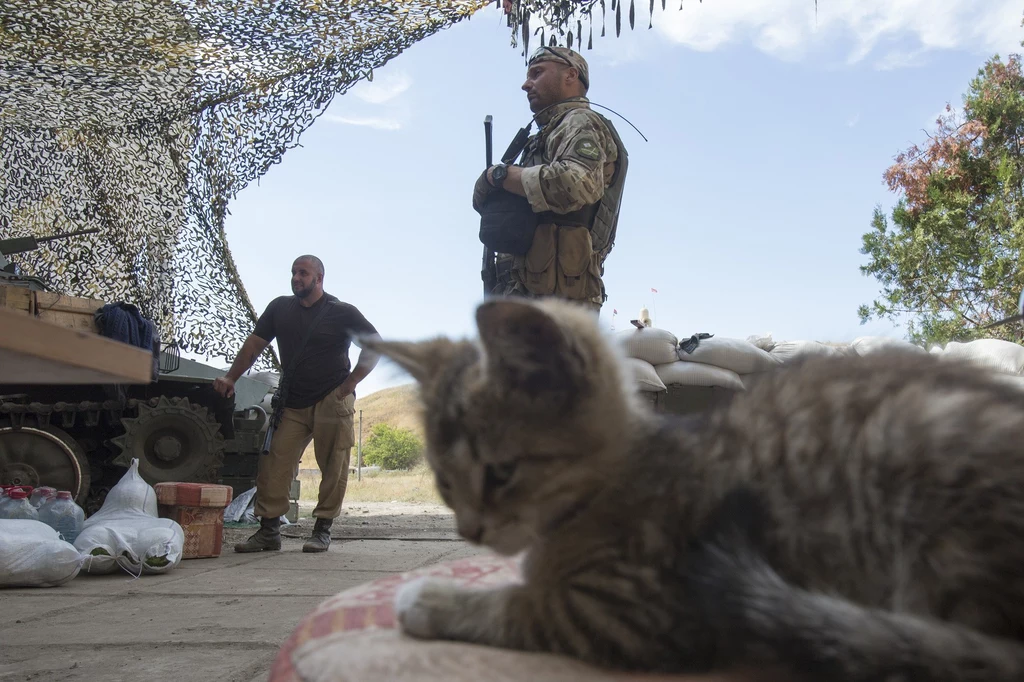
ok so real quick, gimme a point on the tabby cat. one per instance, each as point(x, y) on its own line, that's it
point(846, 519)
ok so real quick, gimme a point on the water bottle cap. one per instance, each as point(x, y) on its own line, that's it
point(18, 495)
point(64, 495)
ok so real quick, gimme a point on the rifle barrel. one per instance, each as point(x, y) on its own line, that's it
point(487, 139)
point(63, 235)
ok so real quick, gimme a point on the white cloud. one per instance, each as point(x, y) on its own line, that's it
point(790, 29)
point(853, 120)
point(368, 121)
point(383, 88)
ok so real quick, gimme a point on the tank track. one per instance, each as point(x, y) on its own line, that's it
point(68, 413)
point(104, 414)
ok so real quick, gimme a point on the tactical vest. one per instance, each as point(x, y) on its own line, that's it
point(602, 217)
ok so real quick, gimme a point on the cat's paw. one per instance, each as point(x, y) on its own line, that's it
point(421, 606)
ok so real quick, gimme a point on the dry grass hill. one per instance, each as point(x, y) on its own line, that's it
point(396, 406)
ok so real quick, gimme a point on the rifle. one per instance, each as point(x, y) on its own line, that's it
point(276, 412)
point(487, 266)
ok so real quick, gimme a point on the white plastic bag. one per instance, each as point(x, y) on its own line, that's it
point(127, 532)
point(33, 555)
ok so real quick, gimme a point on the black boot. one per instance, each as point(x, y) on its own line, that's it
point(321, 538)
point(268, 537)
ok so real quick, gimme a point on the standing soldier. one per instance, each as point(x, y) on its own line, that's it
point(571, 173)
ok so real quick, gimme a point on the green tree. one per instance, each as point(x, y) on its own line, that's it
point(949, 258)
point(391, 448)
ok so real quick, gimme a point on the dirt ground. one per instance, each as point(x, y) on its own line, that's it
point(220, 619)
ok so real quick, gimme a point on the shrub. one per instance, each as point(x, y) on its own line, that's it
point(391, 448)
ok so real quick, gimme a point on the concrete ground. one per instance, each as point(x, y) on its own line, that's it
point(219, 619)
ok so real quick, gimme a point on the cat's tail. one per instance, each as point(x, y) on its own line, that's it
point(763, 622)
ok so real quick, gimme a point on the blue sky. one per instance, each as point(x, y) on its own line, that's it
point(769, 129)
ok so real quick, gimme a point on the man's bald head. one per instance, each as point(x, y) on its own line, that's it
point(317, 264)
point(308, 277)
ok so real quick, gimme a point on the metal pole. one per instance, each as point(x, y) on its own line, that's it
point(359, 450)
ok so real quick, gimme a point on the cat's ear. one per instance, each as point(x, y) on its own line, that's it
point(527, 348)
point(420, 359)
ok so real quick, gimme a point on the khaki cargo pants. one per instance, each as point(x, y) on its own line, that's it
point(329, 425)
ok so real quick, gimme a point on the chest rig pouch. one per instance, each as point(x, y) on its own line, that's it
point(507, 221)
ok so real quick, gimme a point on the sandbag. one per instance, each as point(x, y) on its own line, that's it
point(33, 555)
point(654, 346)
point(737, 355)
point(763, 341)
point(644, 375)
point(680, 373)
point(996, 354)
point(865, 345)
point(789, 351)
point(126, 532)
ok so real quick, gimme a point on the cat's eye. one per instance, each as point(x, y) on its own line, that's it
point(496, 475)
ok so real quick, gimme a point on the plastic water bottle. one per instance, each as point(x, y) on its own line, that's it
point(40, 495)
point(64, 516)
point(19, 507)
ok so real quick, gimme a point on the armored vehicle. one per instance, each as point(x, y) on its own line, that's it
point(81, 438)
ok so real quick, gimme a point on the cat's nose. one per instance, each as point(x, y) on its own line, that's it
point(472, 529)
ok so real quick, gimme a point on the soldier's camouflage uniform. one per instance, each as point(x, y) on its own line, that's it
point(570, 165)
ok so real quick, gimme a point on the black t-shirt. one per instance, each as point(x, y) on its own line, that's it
point(324, 363)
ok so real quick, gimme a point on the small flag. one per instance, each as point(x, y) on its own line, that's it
point(653, 290)
point(614, 311)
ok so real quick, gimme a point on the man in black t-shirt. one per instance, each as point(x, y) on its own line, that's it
point(319, 404)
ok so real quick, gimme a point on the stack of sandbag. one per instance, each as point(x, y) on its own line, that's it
point(708, 360)
point(126, 532)
point(1003, 358)
point(658, 359)
point(33, 555)
point(645, 349)
point(997, 355)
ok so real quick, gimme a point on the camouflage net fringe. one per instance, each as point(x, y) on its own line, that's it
point(561, 22)
point(144, 118)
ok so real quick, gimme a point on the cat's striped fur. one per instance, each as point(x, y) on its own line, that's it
point(848, 519)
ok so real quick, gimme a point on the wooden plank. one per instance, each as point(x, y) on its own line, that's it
point(17, 298)
point(34, 351)
point(73, 312)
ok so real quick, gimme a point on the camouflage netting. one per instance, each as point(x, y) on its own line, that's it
point(145, 117)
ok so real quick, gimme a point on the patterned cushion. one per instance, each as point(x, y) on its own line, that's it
point(193, 494)
point(351, 637)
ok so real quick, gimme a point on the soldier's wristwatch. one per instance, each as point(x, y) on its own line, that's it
point(498, 175)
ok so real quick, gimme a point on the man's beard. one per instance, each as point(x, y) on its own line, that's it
point(300, 292)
